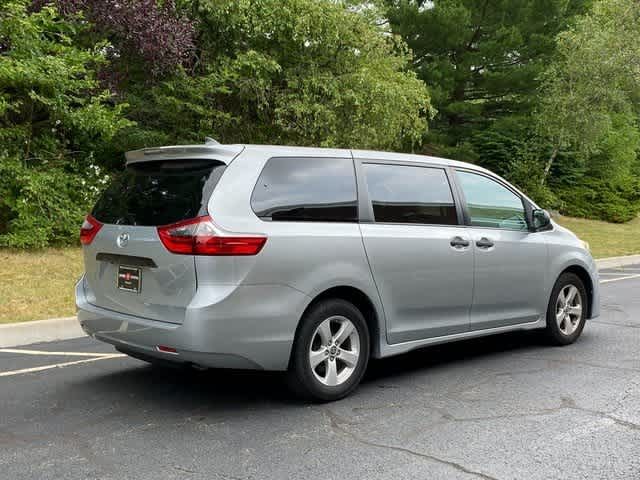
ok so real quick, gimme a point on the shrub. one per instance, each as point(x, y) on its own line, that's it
point(596, 198)
point(53, 117)
point(45, 206)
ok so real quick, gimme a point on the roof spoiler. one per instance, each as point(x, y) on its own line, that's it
point(210, 150)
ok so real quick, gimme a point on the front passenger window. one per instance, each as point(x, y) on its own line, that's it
point(490, 204)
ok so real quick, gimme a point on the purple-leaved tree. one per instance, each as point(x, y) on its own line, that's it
point(155, 33)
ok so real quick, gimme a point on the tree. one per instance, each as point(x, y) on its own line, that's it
point(591, 92)
point(147, 38)
point(480, 58)
point(307, 72)
point(588, 114)
point(53, 117)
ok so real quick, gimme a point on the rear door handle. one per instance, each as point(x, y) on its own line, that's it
point(459, 242)
point(484, 242)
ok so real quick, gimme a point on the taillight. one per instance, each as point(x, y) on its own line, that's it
point(89, 229)
point(198, 236)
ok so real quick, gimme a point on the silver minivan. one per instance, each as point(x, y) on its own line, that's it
point(313, 260)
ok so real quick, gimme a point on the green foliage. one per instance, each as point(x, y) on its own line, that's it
point(53, 115)
point(594, 84)
point(590, 102)
point(45, 206)
point(481, 59)
point(301, 72)
point(504, 144)
point(595, 198)
point(50, 100)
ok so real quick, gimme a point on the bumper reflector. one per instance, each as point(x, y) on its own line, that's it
point(165, 349)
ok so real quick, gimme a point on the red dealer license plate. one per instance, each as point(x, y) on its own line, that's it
point(129, 278)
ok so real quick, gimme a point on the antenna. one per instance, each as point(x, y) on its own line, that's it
point(211, 141)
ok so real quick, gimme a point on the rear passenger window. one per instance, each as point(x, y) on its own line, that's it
point(408, 194)
point(306, 190)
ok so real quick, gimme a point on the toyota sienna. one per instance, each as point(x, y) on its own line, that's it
point(312, 261)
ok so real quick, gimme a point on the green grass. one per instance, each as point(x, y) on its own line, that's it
point(605, 239)
point(39, 284)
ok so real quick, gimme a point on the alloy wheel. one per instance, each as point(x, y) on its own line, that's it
point(334, 351)
point(568, 309)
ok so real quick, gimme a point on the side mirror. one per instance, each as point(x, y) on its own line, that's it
point(540, 220)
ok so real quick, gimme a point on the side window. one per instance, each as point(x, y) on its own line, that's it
point(491, 204)
point(306, 190)
point(407, 194)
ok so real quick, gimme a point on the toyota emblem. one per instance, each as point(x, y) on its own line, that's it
point(122, 240)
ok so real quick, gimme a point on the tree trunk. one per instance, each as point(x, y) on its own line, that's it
point(547, 167)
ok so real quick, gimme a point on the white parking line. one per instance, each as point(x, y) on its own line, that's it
point(93, 357)
point(60, 365)
point(621, 278)
point(44, 352)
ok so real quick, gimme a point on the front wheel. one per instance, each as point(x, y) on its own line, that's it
point(330, 353)
point(566, 313)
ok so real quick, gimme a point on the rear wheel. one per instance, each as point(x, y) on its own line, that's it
point(330, 353)
point(566, 313)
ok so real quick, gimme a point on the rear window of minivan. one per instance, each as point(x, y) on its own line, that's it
point(159, 192)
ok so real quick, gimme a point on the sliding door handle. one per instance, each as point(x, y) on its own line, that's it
point(459, 242)
point(484, 242)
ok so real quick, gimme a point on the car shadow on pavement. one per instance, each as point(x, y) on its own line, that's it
point(453, 353)
point(188, 389)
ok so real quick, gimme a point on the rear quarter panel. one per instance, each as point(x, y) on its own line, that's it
point(309, 257)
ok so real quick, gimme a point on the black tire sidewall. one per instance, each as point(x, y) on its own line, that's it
point(300, 377)
point(553, 330)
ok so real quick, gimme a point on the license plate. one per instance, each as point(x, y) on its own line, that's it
point(129, 278)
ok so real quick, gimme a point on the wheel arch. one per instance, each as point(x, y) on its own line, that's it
point(362, 302)
point(583, 275)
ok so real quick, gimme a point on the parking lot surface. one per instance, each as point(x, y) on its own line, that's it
point(504, 407)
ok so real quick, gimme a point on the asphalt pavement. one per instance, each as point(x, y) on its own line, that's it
point(506, 407)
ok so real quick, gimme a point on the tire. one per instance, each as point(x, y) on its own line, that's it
point(338, 368)
point(564, 320)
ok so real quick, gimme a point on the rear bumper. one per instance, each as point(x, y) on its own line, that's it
point(249, 327)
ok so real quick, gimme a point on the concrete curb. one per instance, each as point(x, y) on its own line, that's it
point(613, 262)
point(25, 333)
